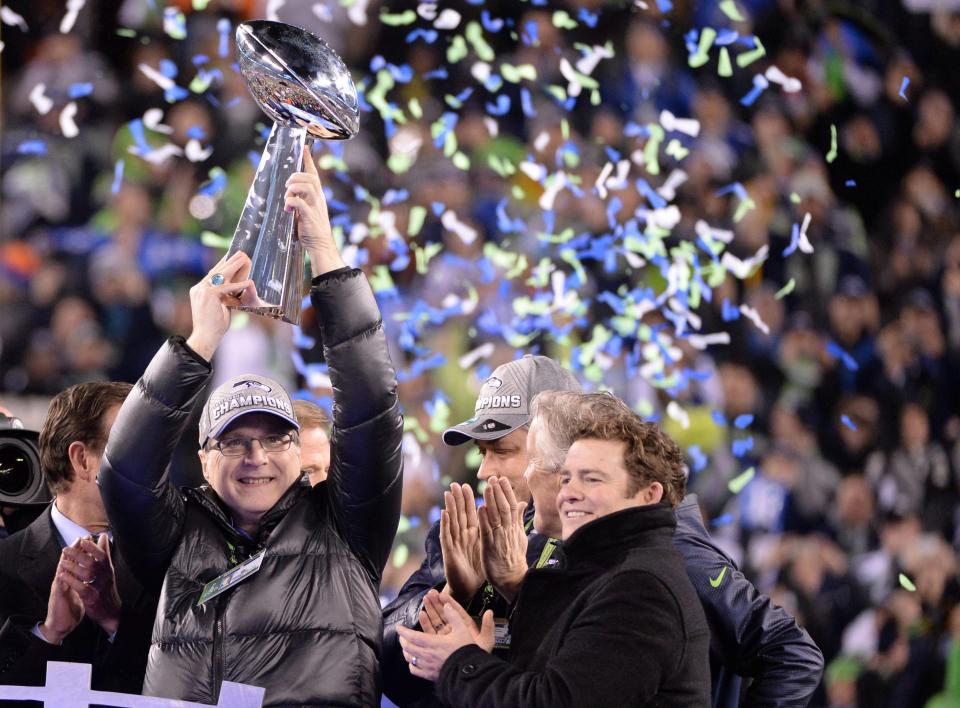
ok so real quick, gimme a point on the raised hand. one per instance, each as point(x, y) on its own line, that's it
point(504, 540)
point(90, 574)
point(460, 544)
point(431, 616)
point(226, 284)
point(304, 195)
point(64, 608)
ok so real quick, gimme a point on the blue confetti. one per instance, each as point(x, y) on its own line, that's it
point(656, 201)
point(490, 24)
point(664, 6)
point(726, 37)
point(722, 520)
point(729, 312)
point(834, 350)
point(743, 421)
point(588, 18)
point(850, 183)
point(80, 90)
point(32, 147)
point(718, 418)
point(223, 27)
point(529, 35)
point(117, 177)
point(794, 241)
point(903, 87)
point(741, 447)
point(845, 419)
point(197, 132)
point(428, 35)
point(697, 457)
point(168, 68)
point(526, 103)
point(200, 59)
point(394, 196)
point(440, 73)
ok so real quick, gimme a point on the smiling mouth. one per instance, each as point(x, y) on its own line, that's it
point(575, 514)
point(255, 481)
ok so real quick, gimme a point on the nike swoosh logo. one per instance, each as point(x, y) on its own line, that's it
point(719, 579)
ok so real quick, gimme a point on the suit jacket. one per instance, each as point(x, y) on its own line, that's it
point(28, 562)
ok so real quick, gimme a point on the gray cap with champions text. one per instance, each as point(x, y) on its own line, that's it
point(504, 401)
point(242, 395)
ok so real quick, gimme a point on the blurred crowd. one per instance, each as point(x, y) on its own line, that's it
point(823, 445)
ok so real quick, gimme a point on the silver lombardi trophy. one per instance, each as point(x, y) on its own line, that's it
point(306, 89)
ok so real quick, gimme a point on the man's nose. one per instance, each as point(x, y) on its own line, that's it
point(255, 454)
point(487, 469)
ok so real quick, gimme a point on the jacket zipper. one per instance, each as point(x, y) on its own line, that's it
point(217, 669)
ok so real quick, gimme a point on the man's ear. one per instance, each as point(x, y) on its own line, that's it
point(202, 454)
point(652, 494)
point(81, 460)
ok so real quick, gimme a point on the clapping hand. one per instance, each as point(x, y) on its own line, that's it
point(504, 537)
point(460, 544)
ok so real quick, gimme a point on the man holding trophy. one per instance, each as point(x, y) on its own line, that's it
point(266, 581)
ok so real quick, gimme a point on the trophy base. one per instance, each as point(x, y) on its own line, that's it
point(276, 313)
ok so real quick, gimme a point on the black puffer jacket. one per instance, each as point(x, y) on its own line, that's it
point(307, 626)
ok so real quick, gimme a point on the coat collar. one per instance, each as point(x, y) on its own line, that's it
point(213, 505)
point(39, 550)
point(614, 534)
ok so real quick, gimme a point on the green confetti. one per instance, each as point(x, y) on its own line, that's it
point(501, 165)
point(400, 555)
point(331, 162)
point(737, 484)
point(416, 110)
point(562, 20)
point(474, 34)
point(215, 240)
point(398, 19)
point(515, 74)
point(745, 206)
point(907, 584)
point(652, 148)
point(200, 5)
point(403, 525)
point(832, 155)
point(702, 55)
point(461, 161)
point(558, 92)
point(747, 58)
point(794, 198)
point(440, 420)
point(785, 290)
point(676, 150)
point(473, 458)
point(399, 163)
point(201, 83)
point(724, 67)
point(957, 194)
point(425, 255)
point(380, 279)
point(126, 32)
point(417, 216)
point(412, 425)
point(729, 8)
point(457, 50)
point(239, 320)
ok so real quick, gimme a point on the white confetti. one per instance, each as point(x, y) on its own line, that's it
point(533, 170)
point(156, 77)
point(450, 222)
point(322, 12)
point(804, 242)
point(272, 7)
point(668, 190)
point(541, 141)
point(787, 83)
point(687, 126)
point(754, 316)
point(480, 71)
point(67, 125)
point(427, 10)
point(558, 182)
point(357, 13)
point(39, 99)
point(9, 17)
point(159, 155)
point(742, 269)
point(677, 413)
point(709, 233)
point(665, 218)
point(73, 9)
point(152, 118)
point(702, 341)
point(493, 128)
point(602, 178)
point(195, 151)
point(448, 20)
point(474, 355)
point(588, 62)
point(573, 81)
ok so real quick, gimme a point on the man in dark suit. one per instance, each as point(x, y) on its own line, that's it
point(65, 596)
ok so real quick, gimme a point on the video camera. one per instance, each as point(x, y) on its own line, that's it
point(23, 493)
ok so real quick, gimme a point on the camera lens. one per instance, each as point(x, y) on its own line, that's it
point(14, 468)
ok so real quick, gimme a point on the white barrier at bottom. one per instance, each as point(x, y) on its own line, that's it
point(68, 686)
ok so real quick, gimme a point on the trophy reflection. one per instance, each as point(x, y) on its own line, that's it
point(306, 89)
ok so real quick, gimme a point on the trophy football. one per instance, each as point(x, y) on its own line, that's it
point(306, 89)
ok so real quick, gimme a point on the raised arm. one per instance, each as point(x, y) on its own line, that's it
point(145, 510)
point(366, 464)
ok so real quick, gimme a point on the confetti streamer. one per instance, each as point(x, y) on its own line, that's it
point(832, 154)
point(9, 17)
point(837, 352)
point(70, 18)
point(730, 9)
point(32, 147)
point(786, 289)
point(67, 125)
point(737, 484)
point(117, 176)
point(903, 88)
point(787, 83)
point(907, 584)
point(845, 419)
point(747, 58)
point(701, 56)
point(39, 100)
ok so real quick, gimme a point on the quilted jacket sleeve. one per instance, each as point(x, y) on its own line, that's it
point(399, 684)
point(366, 466)
point(145, 510)
point(750, 635)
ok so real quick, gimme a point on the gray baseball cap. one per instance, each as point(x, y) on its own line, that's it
point(242, 395)
point(504, 401)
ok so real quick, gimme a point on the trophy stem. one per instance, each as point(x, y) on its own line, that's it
point(265, 231)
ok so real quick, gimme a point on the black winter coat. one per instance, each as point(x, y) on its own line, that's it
point(616, 624)
point(28, 562)
point(307, 626)
point(749, 635)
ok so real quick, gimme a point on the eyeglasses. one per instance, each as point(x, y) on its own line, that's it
point(239, 445)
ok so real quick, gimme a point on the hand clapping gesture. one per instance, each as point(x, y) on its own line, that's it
point(504, 540)
point(460, 544)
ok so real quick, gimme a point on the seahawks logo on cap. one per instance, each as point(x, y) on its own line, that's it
point(490, 426)
point(493, 382)
point(251, 383)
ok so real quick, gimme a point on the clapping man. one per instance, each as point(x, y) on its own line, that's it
point(63, 595)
